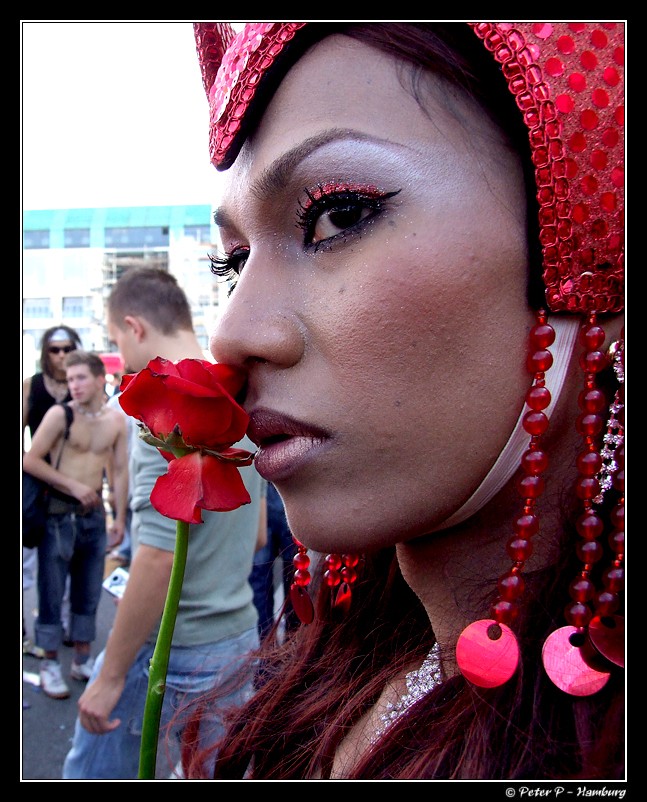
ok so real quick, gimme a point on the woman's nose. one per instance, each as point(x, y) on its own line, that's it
point(260, 324)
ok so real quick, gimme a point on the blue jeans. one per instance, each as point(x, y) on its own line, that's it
point(76, 545)
point(191, 672)
point(279, 544)
point(124, 549)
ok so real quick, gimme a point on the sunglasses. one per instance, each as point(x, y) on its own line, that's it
point(56, 349)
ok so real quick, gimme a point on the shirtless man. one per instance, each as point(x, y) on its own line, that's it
point(76, 538)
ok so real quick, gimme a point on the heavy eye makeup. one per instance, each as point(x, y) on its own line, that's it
point(334, 211)
point(329, 213)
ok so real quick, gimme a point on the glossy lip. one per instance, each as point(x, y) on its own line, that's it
point(284, 443)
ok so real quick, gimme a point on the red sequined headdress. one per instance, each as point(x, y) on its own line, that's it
point(568, 82)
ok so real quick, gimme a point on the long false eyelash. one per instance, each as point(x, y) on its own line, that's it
point(226, 266)
point(219, 265)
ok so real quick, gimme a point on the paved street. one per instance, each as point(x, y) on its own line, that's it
point(48, 724)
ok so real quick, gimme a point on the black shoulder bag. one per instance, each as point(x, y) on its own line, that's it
point(34, 497)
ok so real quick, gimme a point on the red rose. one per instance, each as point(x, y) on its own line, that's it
point(189, 413)
point(192, 394)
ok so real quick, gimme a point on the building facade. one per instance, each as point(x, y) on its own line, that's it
point(72, 257)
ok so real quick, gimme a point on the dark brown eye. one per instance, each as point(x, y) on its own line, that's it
point(337, 220)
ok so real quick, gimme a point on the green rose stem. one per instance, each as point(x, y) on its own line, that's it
point(159, 661)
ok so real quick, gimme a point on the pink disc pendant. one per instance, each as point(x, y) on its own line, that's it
point(487, 653)
point(568, 665)
point(302, 604)
point(608, 636)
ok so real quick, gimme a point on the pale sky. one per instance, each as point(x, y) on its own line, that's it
point(113, 114)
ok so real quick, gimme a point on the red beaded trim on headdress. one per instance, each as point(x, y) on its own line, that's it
point(567, 79)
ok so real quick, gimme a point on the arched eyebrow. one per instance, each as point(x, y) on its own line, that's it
point(276, 176)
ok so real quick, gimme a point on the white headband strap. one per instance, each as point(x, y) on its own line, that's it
point(566, 332)
point(59, 334)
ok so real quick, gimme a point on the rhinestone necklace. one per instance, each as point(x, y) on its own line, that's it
point(419, 683)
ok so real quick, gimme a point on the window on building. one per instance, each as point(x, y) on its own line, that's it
point(137, 237)
point(76, 238)
point(202, 336)
point(35, 239)
point(36, 307)
point(198, 233)
point(77, 306)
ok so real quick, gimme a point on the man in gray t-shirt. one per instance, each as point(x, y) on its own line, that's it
point(216, 627)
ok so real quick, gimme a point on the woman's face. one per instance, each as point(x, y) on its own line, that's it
point(57, 351)
point(380, 310)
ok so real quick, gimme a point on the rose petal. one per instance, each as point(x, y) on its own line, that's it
point(196, 482)
point(175, 493)
point(223, 486)
point(201, 372)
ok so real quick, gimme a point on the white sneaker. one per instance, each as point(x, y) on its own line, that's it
point(31, 649)
point(51, 680)
point(82, 671)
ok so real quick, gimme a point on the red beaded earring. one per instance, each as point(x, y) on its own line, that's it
point(339, 572)
point(299, 595)
point(578, 656)
point(487, 651)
